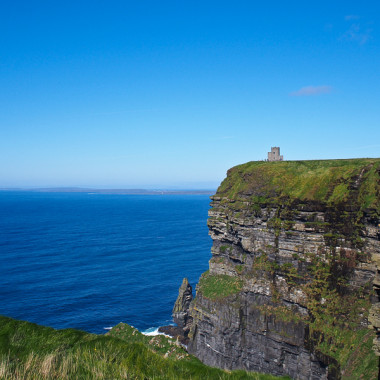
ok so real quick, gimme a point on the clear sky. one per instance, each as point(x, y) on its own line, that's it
point(170, 94)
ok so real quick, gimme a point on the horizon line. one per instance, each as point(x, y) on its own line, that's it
point(131, 191)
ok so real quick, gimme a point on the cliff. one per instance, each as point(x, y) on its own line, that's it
point(290, 281)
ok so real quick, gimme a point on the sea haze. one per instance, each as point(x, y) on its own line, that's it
point(90, 261)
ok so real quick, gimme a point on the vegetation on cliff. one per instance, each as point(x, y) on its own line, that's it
point(337, 313)
point(298, 237)
point(29, 351)
point(327, 181)
point(218, 286)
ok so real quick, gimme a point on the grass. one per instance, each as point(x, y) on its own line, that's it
point(327, 181)
point(29, 351)
point(335, 324)
point(361, 363)
point(218, 286)
point(159, 344)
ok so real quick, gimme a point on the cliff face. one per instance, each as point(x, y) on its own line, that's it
point(290, 281)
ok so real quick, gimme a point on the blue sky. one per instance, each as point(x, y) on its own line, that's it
point(170, 94)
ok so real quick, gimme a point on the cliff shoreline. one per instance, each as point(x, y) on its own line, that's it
point(290, 281)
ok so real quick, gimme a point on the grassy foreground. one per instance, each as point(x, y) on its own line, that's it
point(30, 351)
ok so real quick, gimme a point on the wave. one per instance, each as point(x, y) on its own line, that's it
point(153, 331)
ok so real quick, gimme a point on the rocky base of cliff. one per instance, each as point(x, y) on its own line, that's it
point(176, 333)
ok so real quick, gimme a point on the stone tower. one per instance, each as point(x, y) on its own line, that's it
point(274, 154)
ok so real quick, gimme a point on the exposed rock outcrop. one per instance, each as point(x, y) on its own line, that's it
point(292, 269)
point(181, 314)
point(374, 313)
point(181, 307)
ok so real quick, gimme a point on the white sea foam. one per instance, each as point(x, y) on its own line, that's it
point(153, 331)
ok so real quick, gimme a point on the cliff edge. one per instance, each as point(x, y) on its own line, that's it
point(294, 271)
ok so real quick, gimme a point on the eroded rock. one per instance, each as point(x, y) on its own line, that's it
point(306, 264)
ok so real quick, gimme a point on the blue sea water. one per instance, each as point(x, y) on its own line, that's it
point(90, 261)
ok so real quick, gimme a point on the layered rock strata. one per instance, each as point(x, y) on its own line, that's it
point(374, 313)
point(180, 314)
point(290, 280)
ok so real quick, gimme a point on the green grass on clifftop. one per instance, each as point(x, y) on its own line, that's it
point(328, 181)
point(29, 351)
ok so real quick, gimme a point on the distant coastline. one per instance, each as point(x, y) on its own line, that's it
point(113, 191)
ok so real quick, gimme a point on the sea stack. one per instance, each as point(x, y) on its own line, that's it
point(181, 307)
point(181, 314)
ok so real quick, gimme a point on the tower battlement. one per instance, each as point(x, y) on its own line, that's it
point(274, 154)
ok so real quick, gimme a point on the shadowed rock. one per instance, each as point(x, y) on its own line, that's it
point(181, 307)
point(181, 314)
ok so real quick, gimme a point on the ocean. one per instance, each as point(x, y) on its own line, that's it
point(90, 261)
